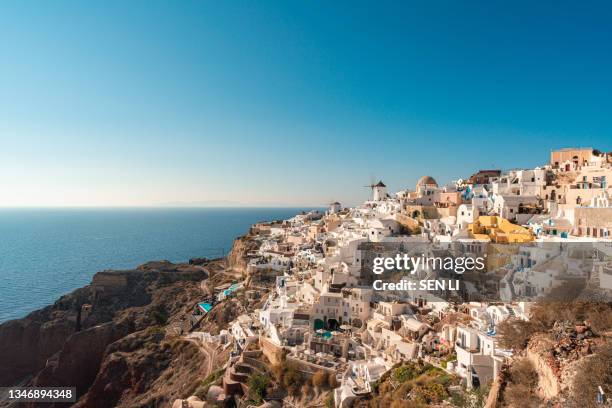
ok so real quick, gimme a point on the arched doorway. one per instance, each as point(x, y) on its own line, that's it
point(332, 324)
point(319, 324)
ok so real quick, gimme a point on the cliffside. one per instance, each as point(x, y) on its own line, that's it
point(562, 355)
point(111, 339)
point(238, 257)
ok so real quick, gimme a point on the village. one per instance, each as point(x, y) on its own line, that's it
point(320, 307)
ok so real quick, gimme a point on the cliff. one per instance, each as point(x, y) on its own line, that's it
point(562, 354)
point(238, 257)
point(113, 339)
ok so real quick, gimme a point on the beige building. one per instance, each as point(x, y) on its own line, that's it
point(571, 158)
point(596, 220)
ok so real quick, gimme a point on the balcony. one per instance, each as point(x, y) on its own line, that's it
point(471, 350)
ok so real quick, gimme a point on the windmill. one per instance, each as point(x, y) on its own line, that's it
point(379, 190)
point(334, 206)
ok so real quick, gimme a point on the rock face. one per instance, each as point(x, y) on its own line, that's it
point(26, 344)
point(90, 336)
point(144, 370)
point(238, 257)
point(549, 384)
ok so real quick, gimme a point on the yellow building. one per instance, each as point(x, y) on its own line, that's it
point(499, 230)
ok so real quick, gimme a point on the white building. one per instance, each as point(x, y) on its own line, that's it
point(379, 191)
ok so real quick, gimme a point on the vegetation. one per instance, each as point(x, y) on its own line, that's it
point(412, 384)
point(472, 398)
point(320, 379)
point(323, 380)
point(450, 357)
point(515, 333)
point(332, 381)
point(329, 400)
point(258, 385)
point(159, 314)
point(289, 377)
point(522, 384)
point(594, 371)
point(210, 379)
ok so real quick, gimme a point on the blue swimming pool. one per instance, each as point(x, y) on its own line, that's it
point(231, 289)
point(205, 307)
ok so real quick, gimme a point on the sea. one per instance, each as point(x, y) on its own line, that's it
point(45, 253)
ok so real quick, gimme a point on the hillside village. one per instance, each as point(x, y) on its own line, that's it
point(318, 314)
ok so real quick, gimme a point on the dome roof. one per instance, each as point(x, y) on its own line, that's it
point(426, 181)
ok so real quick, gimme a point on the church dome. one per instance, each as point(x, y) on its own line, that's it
point(426, 181)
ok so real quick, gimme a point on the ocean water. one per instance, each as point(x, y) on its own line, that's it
point(45, 253)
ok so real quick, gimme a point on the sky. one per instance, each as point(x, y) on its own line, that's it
point(289, 103)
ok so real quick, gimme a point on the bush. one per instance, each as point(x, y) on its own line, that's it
point(473, 398)
point(515, 333)
point(319, 379)
point(329, 400)
point(410, 371)
point(332, 381)
point(600, 318)
point(288, 375)
point(521, 387)
point(430, 393)
point(448, 358)
point(202, 390)
point(258, 385)
point(593, 371)
point(159, 315)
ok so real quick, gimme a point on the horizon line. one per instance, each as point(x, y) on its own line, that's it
point(158, 207)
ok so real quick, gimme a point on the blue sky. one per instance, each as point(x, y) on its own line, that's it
point(288, 103)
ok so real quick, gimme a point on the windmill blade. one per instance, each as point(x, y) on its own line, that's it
point(372, 181)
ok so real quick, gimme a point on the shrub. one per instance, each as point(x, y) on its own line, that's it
point(473, 398)
point(329, 400)
point(404, 373)
point(521, 387)
point(319, 379)
point(288, 375)
point(450, 357)
point(515, 333)
point(410, 370)
point(332, 381)
point(593, 371)
point(600, 318)
point(430, 393)
point(159, 315)
point(258, 384)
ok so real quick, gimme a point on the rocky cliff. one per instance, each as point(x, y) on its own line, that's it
point(237, 259)
point(113, 339)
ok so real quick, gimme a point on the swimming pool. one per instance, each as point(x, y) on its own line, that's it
point(326, 334)
point(231, 289)
point(205, 307)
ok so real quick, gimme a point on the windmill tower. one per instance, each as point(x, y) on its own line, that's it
point(379, 191)
point(334, 207)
